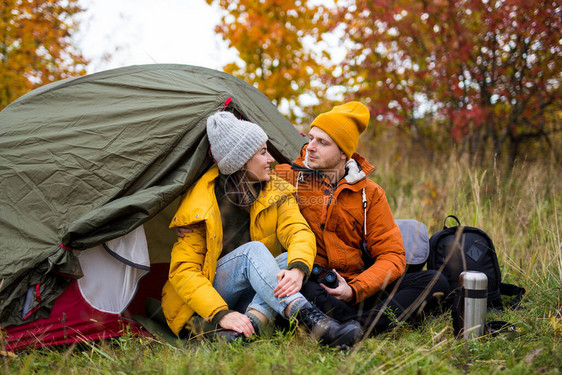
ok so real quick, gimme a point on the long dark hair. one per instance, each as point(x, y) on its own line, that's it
point(240, 190)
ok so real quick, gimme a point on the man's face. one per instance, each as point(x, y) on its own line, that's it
point(323, 152)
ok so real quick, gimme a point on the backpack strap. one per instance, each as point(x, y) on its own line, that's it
point(497, 327)
point(513, 290)
point(450, 216)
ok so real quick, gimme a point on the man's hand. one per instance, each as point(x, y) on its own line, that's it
point(182, 231)
point(237, 322)
point(343, 292)
point(288, 282)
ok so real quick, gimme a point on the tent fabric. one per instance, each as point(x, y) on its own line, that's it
point(88, 159)
point(112, 271)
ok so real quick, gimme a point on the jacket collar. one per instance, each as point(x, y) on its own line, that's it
point(357, 168)
point(274, 190)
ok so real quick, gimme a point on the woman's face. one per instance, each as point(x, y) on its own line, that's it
point(258, 166)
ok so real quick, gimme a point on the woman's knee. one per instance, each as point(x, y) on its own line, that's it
point(281, 260)
point(256, 249)
point(250, 251)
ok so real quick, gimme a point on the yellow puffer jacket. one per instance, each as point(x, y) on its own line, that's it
point(275, 220)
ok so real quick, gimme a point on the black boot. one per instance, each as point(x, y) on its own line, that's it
point(256, 323)
point(226, 335)
point(327, 330)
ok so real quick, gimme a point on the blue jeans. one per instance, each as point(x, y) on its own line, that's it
point(246, 277)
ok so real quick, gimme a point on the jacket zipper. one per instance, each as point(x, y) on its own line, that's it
point(318, 175)
point(332, 191)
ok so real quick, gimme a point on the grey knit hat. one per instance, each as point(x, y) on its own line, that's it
point(233, 142)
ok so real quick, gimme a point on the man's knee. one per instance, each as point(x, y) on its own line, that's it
point(313, 291)
point(441, 283)
point(437, 284)
point(433, 283)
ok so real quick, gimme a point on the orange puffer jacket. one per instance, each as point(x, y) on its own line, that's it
point(336, 216)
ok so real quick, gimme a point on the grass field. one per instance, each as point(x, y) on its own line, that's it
point(518, 207)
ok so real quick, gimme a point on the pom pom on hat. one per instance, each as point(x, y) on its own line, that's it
point(344, 124)
point(233, 141)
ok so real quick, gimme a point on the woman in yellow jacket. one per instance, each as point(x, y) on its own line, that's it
point(230, 273)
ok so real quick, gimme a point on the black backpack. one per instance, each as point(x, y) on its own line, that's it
point(459, 248)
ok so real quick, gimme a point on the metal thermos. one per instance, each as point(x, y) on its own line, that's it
point(469, 318)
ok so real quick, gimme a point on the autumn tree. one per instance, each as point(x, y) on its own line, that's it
point(484, 72)
point(274, 39)
point(488, 70)
point(36, 46)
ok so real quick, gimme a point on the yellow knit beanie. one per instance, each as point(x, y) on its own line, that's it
point(344, 124)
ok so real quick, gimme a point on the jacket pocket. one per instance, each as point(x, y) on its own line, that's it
point(349, 225)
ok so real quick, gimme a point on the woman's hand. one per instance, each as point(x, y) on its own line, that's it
point(237, 322)
point(288, 282)
point(343, 292)
point(182, 231)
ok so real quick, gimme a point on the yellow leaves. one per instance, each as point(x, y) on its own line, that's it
point(555, 320)
point(435, 59)
point(273, 38)
point(35, 45)
point(433, 194)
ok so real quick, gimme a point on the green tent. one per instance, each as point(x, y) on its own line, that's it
point(89, 159)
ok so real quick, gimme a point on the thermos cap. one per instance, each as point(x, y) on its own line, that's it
point(473, 280)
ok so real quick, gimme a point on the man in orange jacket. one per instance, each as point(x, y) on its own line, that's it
point(357, 238)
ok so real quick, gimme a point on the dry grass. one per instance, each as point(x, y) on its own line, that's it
point(518, 207)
